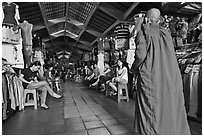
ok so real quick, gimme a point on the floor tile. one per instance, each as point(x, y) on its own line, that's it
point(99, 113)
point(71, 116)
point(74, 126)
point(89, 118)
point(117, 130)
point(118, 115)
point(73, 120)
point(98, 131)
point(87, 114)
point(109, 122)
point(77, 132)
point(135, 133)
point(128, 133)
point(70, 104)
point(49, 130)
point(24, 132)
point(93, 124)
point(130, 127)
point(125, 120)
point(105, 116)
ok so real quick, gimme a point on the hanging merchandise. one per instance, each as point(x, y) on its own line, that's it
point(38, 56)
point(130, 57)
point(101, 62)
point(37, 42)
point(11, 13)
point(194, 21)
point(106, 57)
point(26, 29)
point(121, 44)
point(15, 55)
point(122, 36)
point(132, 43)
point(9, 35)
point(179, 42)
point(112, 44)
point(86, 57)
point(122, 31)
point(184, 30)
point(10, 29)
point(193, 108)
point(190, 64)
point(90, 57)
point(12, 91)
point(106, 44)
point(100, 45)
point(95, 51)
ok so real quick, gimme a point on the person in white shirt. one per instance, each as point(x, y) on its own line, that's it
point(121, 76)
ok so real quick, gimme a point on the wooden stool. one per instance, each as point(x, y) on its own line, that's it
point(35, 98)
point(107, 91)
point(120, 88)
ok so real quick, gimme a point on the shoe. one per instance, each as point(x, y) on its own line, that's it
point(57, 96)
point(90, 86)
point(44, 106)
point(115, 94)
point(103, 89)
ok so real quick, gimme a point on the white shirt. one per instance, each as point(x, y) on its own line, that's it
point(125, 71)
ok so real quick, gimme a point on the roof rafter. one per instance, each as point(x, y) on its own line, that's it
point(113, 25)
point(110, 10)
point(45, 19)
point(66, 17)
point(129, 11)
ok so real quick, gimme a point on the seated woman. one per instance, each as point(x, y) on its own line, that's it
point(121, 77)
point(95, 74)
point(90, 74)
point(107, 75)
point(51, 79)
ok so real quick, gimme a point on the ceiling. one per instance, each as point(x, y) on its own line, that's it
point(76, 26)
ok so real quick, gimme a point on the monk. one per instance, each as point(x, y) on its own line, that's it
point(159, 106)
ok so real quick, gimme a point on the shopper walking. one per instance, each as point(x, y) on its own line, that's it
point(29, 79)
point(159, 97)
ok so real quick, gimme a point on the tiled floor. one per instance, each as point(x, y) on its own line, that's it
point(82, 111)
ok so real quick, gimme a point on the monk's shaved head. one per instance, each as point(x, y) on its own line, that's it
point(153, 15)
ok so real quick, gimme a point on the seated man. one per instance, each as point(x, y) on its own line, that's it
point(29, 79)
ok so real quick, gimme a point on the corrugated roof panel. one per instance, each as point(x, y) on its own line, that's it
point(56, 27)
point(73, 28)
point(30, 11)
point(88, 37)
point(54, 9)
point(122, 6)
point(79, 10)
point(100, 21)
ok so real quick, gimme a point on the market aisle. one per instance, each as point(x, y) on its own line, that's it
point(81, 111)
